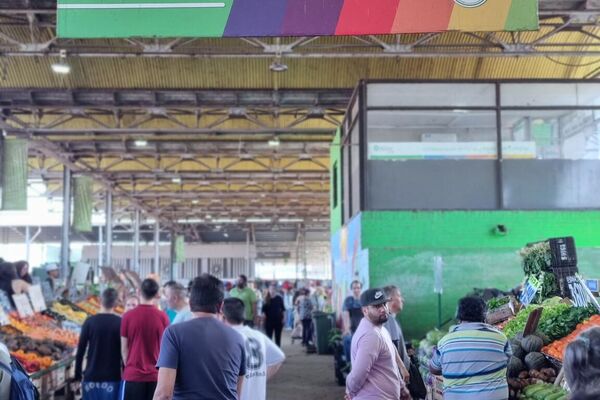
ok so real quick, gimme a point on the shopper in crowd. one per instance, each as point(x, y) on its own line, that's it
point(263, 357)
point(274, 312)
point(10, 283)
point(247, 295)
point(318, 299)
point(100, 337)
point(202, 359)
point(582, 366)
point(177, 299)
point(171, 313)
point(141, 332)
point(351, 316)
point(473, 356)
point(5, 376)
point(375, 371)
point(289, 307)
point(23, 271)
point(395, 306)
point(185, 314)
point(305, 308)
point(131, 302)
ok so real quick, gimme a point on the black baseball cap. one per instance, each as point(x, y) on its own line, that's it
point(373, 297)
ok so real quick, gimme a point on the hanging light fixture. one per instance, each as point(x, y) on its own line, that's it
point(61, 67)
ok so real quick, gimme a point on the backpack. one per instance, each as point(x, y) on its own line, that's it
point(21, 387)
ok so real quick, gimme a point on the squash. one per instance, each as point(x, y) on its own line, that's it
point(515, 367)
point(517, 350)
point(545, 339)
point(532, 344)
point(535, 360)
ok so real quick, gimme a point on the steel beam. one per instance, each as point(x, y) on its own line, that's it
point(156, 265)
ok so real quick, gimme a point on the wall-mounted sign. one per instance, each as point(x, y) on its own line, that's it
point(255, 18)
point(449, 150)
point(23, 306)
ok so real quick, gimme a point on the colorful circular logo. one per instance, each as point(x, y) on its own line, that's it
point(470, 3)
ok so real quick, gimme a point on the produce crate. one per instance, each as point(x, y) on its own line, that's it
point(500, 314)
point(556, 363)
point(562, 251)
point(561, 274)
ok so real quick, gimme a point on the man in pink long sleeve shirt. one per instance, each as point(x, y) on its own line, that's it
point(375, 374)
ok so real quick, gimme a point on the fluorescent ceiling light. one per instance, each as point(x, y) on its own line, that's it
point(225, 221)
point(226, 234)
point(274, 142)
point(140, 143)
point(190, 221)
point(278, 66)
point(194, 201)
point(208, 217)
point(61, 68)
point(284, 220)
point(258, 220)
point(176, 180)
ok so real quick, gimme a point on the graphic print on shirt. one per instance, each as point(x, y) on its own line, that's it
point(254, 358)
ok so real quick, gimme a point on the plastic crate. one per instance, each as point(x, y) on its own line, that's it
point(563, 252)
point(561, 274)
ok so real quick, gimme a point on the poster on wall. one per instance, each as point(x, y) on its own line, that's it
point(449, 150)
point(350, 261)
point(275, 18)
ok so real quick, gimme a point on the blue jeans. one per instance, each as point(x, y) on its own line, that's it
point(347, 345)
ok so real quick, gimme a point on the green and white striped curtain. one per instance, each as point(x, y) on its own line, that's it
point(83, 203)
point(14, 174)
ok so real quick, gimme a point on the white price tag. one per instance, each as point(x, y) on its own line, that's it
point(37, 298)
point(23, 306)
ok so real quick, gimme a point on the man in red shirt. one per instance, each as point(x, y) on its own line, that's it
point(141, 332)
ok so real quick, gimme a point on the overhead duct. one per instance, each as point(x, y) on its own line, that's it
point(83, 203)
point(14, 174)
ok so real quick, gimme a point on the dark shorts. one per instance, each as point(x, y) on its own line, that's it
point(100, 390)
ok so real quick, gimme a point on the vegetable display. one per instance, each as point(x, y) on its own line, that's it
point(537, 260)
point(497, 302)
point(557, 348)
point(543, 391)
point(564, 321)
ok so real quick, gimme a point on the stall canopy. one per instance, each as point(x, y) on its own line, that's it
point(260, 18)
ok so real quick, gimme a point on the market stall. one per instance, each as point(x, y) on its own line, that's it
point(554, 307)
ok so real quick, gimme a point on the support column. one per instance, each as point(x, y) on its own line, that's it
point(136, 242)
point(27, 243)
point(100, 251)
point(108, 227)
point(66, 223)
point(173, 261)
point(156, 266)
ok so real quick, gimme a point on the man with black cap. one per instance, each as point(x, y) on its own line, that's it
point(375, 373)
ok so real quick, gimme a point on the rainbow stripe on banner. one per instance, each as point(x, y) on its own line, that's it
point(234, 18)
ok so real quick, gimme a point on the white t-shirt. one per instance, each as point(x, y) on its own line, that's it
point(261, 353)
point(183, 315)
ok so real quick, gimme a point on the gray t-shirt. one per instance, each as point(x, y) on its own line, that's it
point(397, 336)
point(209, 358)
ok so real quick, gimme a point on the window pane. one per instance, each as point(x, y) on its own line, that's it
point(450, 134)
point(549, 94)
point(553, 134)
point(431, 95)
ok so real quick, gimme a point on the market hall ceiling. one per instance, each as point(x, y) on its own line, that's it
point(206, 109)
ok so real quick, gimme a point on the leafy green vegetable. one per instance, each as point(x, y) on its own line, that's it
point(536, 258)
point(564, 321)
point(550, 312)
point(497, 302)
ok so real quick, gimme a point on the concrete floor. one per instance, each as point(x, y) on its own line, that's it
point(304, 376)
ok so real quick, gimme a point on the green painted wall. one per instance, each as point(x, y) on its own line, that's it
point(402, 246)
point(335, 158)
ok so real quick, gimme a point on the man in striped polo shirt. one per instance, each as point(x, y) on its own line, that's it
point(473, 356)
